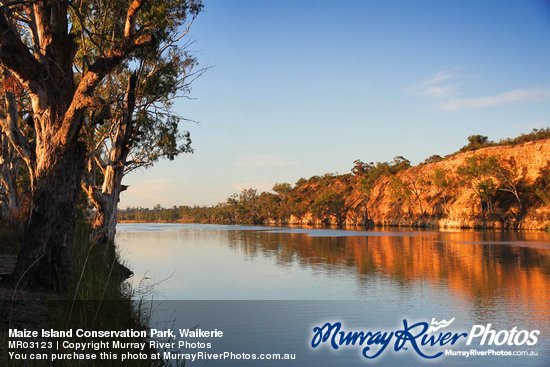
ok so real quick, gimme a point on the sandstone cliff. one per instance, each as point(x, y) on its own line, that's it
point(458, 207)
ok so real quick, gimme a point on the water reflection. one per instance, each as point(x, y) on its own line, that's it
point(477, 268)
point(479, 277)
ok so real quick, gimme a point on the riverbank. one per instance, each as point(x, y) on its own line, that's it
point(494, 187)
point(353, 227)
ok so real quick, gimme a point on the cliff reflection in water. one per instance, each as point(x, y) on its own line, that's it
point(289, 279)
point(491, 271)
point(489, 275)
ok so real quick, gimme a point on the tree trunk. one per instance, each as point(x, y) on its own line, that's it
point(46, 256)
point(366, 222)
point(9, 170)
point(105, 220)
point(106, 200)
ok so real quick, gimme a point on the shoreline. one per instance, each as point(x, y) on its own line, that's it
point(357, 226)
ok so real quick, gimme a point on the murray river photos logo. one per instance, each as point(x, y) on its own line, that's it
point(425, 339)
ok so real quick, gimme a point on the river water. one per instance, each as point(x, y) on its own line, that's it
point(269, 287)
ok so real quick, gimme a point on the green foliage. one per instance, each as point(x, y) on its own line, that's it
point(476, 142)
point(283, 188)
point(443, 185)
point(282, 201)
point(400, 163)
point(370, 173)
point(330, 203)
point(487, 175)
point(408, 188)
point(542, 184)
point(534, 135)
point(441, 179)
point(433, 159)
point(478, 173)
point(486, 188)
point(361, 168)
point(161, 19)
point(269, 207)
point(477, 167)
point(300, 182)
point(399, 191)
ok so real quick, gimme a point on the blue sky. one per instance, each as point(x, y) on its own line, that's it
point(301, 88)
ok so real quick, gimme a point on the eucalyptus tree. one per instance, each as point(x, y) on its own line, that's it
point(60, 52)
point(141, 128)
point(478, 173)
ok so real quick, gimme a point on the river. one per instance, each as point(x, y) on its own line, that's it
point(268, 287)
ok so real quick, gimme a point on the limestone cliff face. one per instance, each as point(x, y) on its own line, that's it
point(456, 208)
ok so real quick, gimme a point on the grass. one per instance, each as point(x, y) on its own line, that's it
point(97, 300)
point(100, 300)
point(11, 238)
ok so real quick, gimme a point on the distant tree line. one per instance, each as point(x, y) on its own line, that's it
point(498, 184)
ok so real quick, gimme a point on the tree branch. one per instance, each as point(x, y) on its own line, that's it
point(131, 17)
point(97, 71)
point(100, 162)
point(42, 22)
point(15, 56)
point(17, 2)
point(12, 131)
point(94, 194)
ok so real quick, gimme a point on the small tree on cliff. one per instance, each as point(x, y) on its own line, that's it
point(476, 142)
point(541, 186)
point(409, 188)
point(477, 172)
point(486, 175)
point(443, 185)
point(511, 178)
point(61, 52)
